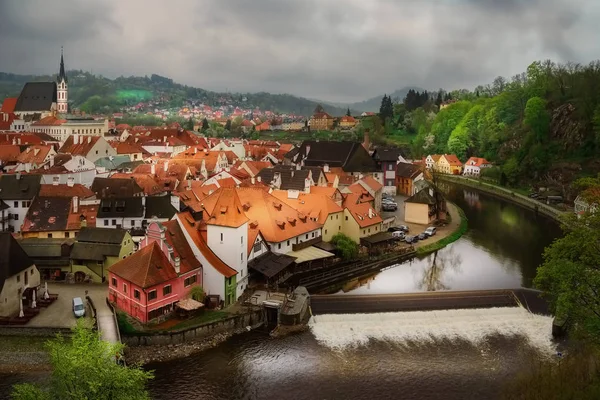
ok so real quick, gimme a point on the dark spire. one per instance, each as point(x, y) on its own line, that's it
point(61, 74)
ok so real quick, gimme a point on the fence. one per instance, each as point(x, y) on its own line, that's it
point(114, 315)
point(94, 313)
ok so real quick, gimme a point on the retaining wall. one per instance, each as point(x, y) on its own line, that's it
point(15, 330)
point(230, 325)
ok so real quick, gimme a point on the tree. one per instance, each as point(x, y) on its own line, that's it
point(439, 99)
point(84, 367)
point(347, 247)
point(537, 118)
point(196, 293)
point(386, 110)
point(189, 124)
point(205, 125)
point(228, 125)
point(511, 170)
point(348, 112)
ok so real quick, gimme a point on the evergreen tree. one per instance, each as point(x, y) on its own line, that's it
point(348, 112)
point(439, 100)
point(228, 125)
point(189, 124)
point(205, 125)
point(386, 110)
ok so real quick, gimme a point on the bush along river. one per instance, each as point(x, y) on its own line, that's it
point(451, 354)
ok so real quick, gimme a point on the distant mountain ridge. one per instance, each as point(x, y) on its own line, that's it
point(374, 103)
point(98, 94)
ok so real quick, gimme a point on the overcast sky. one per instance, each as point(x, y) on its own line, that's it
point(337, 50)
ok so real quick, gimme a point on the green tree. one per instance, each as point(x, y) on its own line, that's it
point(228, 125)
point(511, 170)
point(347, 247)
point(537, 118)
point(188, 125)
point(84, 367)
point(205, 125)
point(348, 112)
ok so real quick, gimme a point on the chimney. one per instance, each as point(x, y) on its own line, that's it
point(89, 139)
point(253, 180)
point(259, 179)
point(153, 169)
point(166, 166)
point(326, 168)
point(177, 264)
point(18, 176)
point(195, 150)
point(143, 201)
point(18, 141)
point(307, 185)
point(75, 204)
point(366, 142)
point(189, 184)
point(70, 181)
point(370, 212)
point(14, 141)
point(75, 139)
point(165, 139)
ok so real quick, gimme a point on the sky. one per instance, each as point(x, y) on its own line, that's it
point(335, 50)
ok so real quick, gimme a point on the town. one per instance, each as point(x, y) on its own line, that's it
point(165, 221)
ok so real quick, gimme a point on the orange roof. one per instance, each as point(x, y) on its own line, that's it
point(175, 169)
point(85, 213)
point(49, 120)
point(452, 159)
point(181, 247)
point(197, 232)
point(254, 167)
point(359, 194)
point(348, 118)
point(64, 190)
point(128, 148)
point(363, 214)
point(147, 182)
point(8, 105)
point(476, 161)
point(223, 208)
point(82, 148)
point(35, 154)
point(435, 157)
point(226, 183)
point(317, 206)
point(145, 268)
point(9, 153)
point(372, 183)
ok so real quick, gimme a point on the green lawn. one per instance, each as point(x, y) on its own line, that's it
point(203, 318)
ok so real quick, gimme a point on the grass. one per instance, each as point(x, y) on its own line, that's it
point(124, 325)
point(202, 318)
point(453, 237)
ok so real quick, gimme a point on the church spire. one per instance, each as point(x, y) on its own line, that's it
point(61, 74)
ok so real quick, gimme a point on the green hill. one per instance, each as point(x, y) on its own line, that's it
point(96, 94)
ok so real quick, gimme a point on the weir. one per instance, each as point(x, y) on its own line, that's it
point(426, 301)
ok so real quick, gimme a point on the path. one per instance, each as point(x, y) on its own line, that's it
point(107, 326)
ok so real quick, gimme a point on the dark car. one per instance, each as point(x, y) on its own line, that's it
point(389, 206)
point(395, 229)
point(404, 228)
point(423, 236)
point(411, 239)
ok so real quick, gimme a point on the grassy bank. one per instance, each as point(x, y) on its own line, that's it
point(453, 237)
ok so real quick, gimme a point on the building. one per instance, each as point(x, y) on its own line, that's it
point(321, 121)
point(62, 99)
point(148, 284)
point(17, 191)
point(431, 161)
point(57, 217)
point(360, 219)
point(37, 100)
point(34, 157)
point(474, 165)
point(371, 186)
point(425, 207)
point(105, 188)
point(387, 158)
point(448, 164)
point(61, 129)
point(96, 250)
point(285, 178)
point(90, 147)
point(67, 169)
point(347, 122)
point(19, 276)
point(406, 177)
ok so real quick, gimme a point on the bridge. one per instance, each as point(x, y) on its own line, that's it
point(427, 301)
point(105, 317)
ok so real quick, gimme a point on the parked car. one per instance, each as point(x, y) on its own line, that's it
point(387, 196)
point(534, 195)
point(389, 206)
point(389, 201)
point(423, 236)
point(404, 228)
point(78, 307)
point(395, 229)
point(430, 231)
point(398, 235)
point(411, 239)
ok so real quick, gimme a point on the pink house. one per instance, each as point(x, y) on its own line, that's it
point(149, 283)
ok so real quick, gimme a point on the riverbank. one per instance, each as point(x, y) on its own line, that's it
point(20, 354)
point(507, 194)
point(453, 231)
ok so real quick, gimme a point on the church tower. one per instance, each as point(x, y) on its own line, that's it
point(62, 91)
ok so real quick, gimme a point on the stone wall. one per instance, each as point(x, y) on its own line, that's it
point(13, 330)
point(230, 325)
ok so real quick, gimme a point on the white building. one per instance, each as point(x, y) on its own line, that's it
point(16, 194)
point(61, 129)
point(474, 165)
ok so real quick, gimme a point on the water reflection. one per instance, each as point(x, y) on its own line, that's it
point(502, 249)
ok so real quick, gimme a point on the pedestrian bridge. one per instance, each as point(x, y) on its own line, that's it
point(428, 301)
point(105, 318)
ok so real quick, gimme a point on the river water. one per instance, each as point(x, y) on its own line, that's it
point(454, 354)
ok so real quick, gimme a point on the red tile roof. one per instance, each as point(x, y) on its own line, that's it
point(82, 148)
point(363, 214)
point(452, 159)
point(8, 105)
point(49, 120)
point(9, 153)
point(181, 247)
point(64, 190)
point(145, 268)
point(476, 161)
point(35, 154)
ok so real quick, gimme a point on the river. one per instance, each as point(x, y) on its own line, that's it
point(454, 354)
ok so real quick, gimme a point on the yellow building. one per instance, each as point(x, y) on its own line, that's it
point(449, 164)
point(321, 121)
point(347, 122)
point(360, 220)
point(423, 209)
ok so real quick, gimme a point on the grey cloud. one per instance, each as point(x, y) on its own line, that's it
point(334, 50)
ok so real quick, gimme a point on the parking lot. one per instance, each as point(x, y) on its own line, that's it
point(60, 313)
point(415, 229)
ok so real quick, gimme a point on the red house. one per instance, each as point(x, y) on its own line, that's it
point(149, 283)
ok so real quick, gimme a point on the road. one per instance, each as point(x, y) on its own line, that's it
point(343, 304)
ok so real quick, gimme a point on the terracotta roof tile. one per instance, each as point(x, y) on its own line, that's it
point(82, 148)
point(145, 268)
point(64, 190)
point(9, 153)
point(8, 105)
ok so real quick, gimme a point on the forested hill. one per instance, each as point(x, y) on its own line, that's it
point(93, 93)
point(540, 126)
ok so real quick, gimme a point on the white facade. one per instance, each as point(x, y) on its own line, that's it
point(236, 147)
point(259, 248)
point(285, 246)
point(18, 209)
point(231, 246)
point(14, 286)
point(62, 97)
point(77, 170)
point(429, 162)
point(20, 125)
point(167, 148)
point(82, 127)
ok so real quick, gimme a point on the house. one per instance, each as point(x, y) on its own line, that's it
point(34, 157)
point(61, 129)
point(351, 157)
point(19, 276)
point(134, 213)
point(51, 256)
point(449, 164)
point(387, 158)
point(360, 219)
point(406, 177)
point(17, 191)
point(38, 99)
point(105, 188)
point(425, 207)
point(134, 151)
point(9, 156)
point(112, 163)
point(371, 186)
point(96, 250)
point(284, 178)
point(65, 190)
point(90, 147)
point(148, 284)
point(348, 122)
point(431, 161)
point(235, 146)
point(57, 217)
point(69, 169)
point(321, 121)
point(474, 165)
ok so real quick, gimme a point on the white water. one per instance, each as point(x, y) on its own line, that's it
point(340, 331)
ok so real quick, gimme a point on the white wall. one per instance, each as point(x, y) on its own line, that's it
point(231, 246)
point(286, 245)
point(9, 298)
point(18, 208)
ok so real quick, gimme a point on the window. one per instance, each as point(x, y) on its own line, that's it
point(18, 278)
point(152, 295)
point(136, 294)
point(390, 167)
point(346, 218)
point(279, 246)
point(24, 204)
point(288, 243)
point(105, 222)
point(242, 240)
point(331, 218)
point(16, 217)
point(369, 230)
point(32, 273)
point(307, 235)
point(16, 204)
point(242, 257)
point(166, 290)
point(66, 234)
point(49, 236)
point(114, 222)
point(124, 288)
point(114, 282)
point(326, 231)
point(96, 151)
point(189, 281)
point(257, 247)
point(221, 238)
point(337, 216)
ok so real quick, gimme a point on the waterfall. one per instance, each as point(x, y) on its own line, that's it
point(340, 331)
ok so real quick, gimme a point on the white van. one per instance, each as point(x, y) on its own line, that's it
point(78, 307)
point(398, 235)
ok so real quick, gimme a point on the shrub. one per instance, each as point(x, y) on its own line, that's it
point(347, 248)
